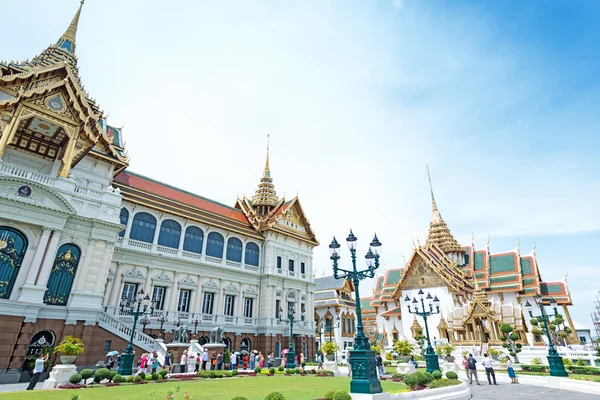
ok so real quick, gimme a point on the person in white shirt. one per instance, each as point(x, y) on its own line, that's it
point(204, 359)
point(233, 361)
point(37, 370)
point(183, 362)
point(489, 370)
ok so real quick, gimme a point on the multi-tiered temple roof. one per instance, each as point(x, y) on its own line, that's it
point(45, 110)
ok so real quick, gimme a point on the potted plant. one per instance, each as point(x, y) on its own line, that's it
point(446, 350)
point(70, 347)
point(405, 349)
point(329, 348)
point(495, 353)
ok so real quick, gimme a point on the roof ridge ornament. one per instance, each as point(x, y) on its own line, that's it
point(67, 40)
point(265, 195)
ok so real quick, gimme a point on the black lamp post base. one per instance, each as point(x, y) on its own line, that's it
point(557, 367)
point(432, 361)
point(364, 372)
point(291, 359)
point(126, 365)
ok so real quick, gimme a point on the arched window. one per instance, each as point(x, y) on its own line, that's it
point(252, 253)
point(39, 344)
point(124, 217)
point(62, 275)
point(234, 249)
point(13, 245)
point(214, 246)
point(277, 349)
point(170, 232)
point(143, 227)
point(193, 239)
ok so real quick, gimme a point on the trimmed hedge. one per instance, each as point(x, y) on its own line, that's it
point(443, 383)
point(437, 375)
point(329, 395)
point(86, 374)
point(101, 374)
point(118, 379)
point(75, 379)
point(341, 395)
point(451, 375)
point(275, 396)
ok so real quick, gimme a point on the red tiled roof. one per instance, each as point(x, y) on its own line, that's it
point(163, 190)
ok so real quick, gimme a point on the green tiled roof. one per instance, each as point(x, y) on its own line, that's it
point(506, 278)
point(379, 283)
point(393, 277)
point(528, 281)
point(365, 304)
point(554, 288)
point(480, 276)
point(479, 261)
point(526, 264)
point(502, 263)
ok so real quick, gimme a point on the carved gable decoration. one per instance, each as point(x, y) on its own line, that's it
point(133, 274)
point(419, 274)
point(162, 278)
point(231, 288)
point(251, 291)
point(188, 281)
point(211, 285)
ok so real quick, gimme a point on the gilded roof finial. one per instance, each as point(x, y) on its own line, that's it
point(67, 40)
point(439, 233)
point(265, 194)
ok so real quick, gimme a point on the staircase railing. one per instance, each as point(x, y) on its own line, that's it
point(123, 330)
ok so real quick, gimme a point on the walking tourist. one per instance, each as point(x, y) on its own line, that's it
point(471, 362)
point(320, 362)
point(168, 361)
point(197, 366)
point(465, 364)
point(233, 361)
point(110, 362)
point(204, 359)
point(213, 362)
point(489, 370)
point(511, 371)
point(302, 361)
point(349, 364)
point(261, 359)
point(271, 360)
point(38, 368)
point(149, 363)
point(414, 362)
point(220, 360)
point(155, 363)
point(183, 362)
point(142, 363)
point(380, 369)
point(252, 360)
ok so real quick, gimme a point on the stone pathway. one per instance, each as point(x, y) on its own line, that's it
point(510, 391)
point(15, 387)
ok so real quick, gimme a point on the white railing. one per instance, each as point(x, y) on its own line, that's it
point(88, 192)
point(228, 320)
point(248, 321)
point(291, 273)
point(164, 249)
point(137, 243)
point(124, 330)
point(26, 174)
point(119, 240)
point(232, 264)
point(207, 317)
point(191, 255)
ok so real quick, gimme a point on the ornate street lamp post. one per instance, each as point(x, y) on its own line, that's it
point(137, 307)
point(319, 331)
point(145, 321)
point(291, 363)
point(329, 327)
point(195, 321)
point(557, 367)
point(362, 358)
point(162, 318)
point(430, 357)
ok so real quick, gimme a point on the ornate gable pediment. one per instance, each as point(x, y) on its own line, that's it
point(420, 274)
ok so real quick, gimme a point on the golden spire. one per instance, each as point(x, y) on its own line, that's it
point(67, 40)
point(439, 233)
point(265, 194)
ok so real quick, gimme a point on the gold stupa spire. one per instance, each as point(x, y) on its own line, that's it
point(265, 194)
point(67, 40)
point(439, 233)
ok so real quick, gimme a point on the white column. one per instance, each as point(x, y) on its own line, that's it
point(198, 299)
point(116, 286)
point(103, 269)
point(49, 259)
point(82, 271)
point(36, 263)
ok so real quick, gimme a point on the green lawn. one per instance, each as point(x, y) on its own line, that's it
point(254, 388)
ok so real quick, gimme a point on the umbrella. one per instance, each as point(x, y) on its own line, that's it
point(112, 353)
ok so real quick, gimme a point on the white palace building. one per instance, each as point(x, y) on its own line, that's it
point(79, 233)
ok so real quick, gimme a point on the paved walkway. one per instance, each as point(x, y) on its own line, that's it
point(15, 387)
point(509, 391)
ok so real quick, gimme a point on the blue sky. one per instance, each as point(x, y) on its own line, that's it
point(498, 98)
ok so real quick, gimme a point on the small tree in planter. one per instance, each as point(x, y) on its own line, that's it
point(70, 347)
point(226, 359)
point(558, 330)
point(329, 347)
point(405, 349)
point(510, 340)
point(446, 349)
